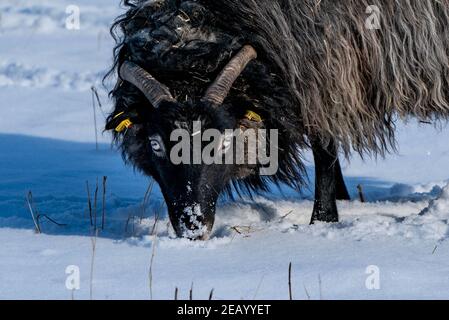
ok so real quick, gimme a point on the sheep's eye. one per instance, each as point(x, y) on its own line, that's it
point(155, 145)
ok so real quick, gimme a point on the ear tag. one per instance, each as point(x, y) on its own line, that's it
point(252, 116)
point(126, 123)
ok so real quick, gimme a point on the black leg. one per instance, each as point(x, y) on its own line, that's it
point(325, 206)
point(342, 192)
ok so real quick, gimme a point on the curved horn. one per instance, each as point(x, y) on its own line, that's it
point(153, 90)
point(220, 88)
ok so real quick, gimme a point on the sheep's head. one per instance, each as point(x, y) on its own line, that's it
point(184, 146)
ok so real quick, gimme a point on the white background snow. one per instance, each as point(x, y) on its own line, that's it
point(47, 146)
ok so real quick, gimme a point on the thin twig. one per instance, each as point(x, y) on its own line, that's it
point(89, 203)
point(153, 253)
point(95, 205)
point(29, 199)
point(150, 273)
point(157, 214)
point(211, 294)
point(49, 219)
point(95, 120)
point(144, 204)
point(290, 281)
point(285, 216)
point(242, 229)
point(145, 199)
point(95, 91)
point(236, 230)
point(103, 202)
point(94, 247)
point(176, 293)
point(191, 292)
point(435, 249)
point(307, 292)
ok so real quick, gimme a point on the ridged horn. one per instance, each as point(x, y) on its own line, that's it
point(219, 89)
point(153, 90)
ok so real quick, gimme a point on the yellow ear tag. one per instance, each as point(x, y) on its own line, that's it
point(252, 116)
point(125, 124)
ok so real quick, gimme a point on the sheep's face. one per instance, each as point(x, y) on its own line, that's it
point(184, 148)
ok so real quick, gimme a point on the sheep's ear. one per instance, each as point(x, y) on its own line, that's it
point(122, 121)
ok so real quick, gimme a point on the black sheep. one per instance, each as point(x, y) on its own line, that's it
point(313, 70)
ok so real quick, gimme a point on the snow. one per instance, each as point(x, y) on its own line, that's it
point(195, 215)
point(47, 146)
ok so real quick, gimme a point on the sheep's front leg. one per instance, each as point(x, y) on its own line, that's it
point(325, 206)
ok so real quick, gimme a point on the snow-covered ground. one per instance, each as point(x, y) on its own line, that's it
point(47, 146)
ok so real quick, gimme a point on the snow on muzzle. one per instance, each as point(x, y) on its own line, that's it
point(194, 220)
